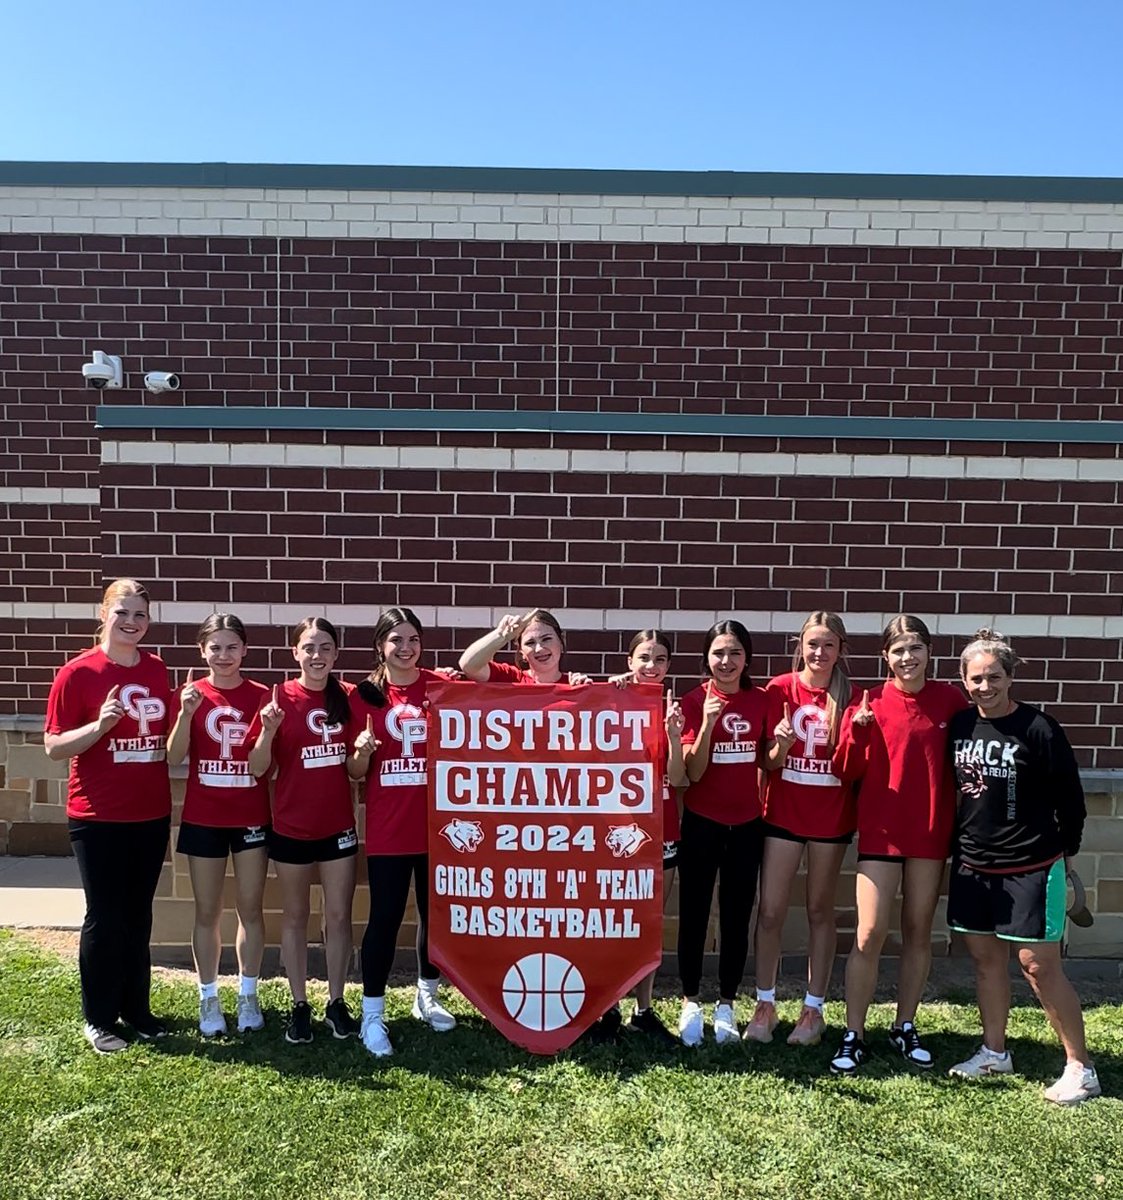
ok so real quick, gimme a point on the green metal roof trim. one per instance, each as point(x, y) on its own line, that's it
point(563, 180)
point(506, 421)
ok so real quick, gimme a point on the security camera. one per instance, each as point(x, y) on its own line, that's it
point(104, 371)
point(161, 381)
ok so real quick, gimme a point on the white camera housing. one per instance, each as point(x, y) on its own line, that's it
point(104, 371)
point(161, 381)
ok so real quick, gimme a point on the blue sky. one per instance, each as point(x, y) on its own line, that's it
point(982, 87)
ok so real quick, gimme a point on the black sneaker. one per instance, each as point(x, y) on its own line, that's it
point(851, 1054)
point(148, 1029)
point(607, 1029)
point(339, 1020)
point(300, 1023)
point(104, 1041)
point(905, 1039)
point(646, 1020)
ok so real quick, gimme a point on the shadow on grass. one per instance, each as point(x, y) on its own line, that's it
point(470, 1057)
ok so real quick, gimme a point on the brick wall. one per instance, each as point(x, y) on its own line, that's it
point(688, 307)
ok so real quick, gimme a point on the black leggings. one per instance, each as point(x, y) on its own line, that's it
point(119, 862)
point(729, 855)
point(389, 876)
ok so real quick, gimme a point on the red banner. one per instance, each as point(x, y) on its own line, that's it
point(545, 850)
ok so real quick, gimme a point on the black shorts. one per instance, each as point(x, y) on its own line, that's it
point(212, 841)
point(786, 835)
point(1028, 906)
point(670, 855)
point(304, 852)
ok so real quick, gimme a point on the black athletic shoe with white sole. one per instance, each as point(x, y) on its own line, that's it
point(147, 1028)
point(646, 1020)
point(338, 1019)
point(905, 1040)
point(300, 1023)
point(851, 1055)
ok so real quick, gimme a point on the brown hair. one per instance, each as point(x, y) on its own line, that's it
point(733, 629)
point(901, 626)
point(547, 618)
point(989, 641)
point(335, 698)
point(373, 688)
point(218, 621)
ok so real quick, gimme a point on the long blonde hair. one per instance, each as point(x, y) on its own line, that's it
point(839, 687)
point(114, 592)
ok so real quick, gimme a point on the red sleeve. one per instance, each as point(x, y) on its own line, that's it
point(66, 706)
point(503, 673)
point(692, 717)
point(852, 752)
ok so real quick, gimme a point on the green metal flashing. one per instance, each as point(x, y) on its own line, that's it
point(1084, 190)
point(522, 421)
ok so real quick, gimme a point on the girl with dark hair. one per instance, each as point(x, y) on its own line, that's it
point(724, 738)
point(225, 812)
point(1021, 816)
point(306, 730)
point(808, 810)
point(649, 659)
point(391, 754)
point(540, 646)
point(896, 743)
point(108, 714)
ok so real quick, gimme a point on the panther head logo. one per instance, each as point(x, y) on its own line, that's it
point(625, 840)
point(465, 836)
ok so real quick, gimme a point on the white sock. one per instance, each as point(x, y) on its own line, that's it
point(374, 1006)
point(814, 1001)
point(247, 985)
point(208, 991)
point(766, 995)
point(429, 986)
point(996, 1053)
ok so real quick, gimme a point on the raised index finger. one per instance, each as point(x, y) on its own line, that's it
point(274, 695)
point(113, 692)
point(370, 724)
point(787, 712)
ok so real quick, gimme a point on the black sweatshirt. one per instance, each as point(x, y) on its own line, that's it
point(1021, 803)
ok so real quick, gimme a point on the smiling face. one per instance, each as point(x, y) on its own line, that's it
point(401, 650)
point(223, 651)
point(125, 622)
point(542, 649)
point(988, 685)
point(820, 649)
point(649, 662)
point(908, 662)
point(315, 654)
point(726, 660)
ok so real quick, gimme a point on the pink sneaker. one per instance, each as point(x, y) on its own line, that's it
point(809, 1029)
point(763, 1023)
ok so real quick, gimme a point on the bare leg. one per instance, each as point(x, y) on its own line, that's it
point(207, 877)
point(1041, 965)
point(877, 884)
point(338, 881)
point(778, 868)
point(824, 860)
point(296, 883)
point(250, 867)
point(992, 961)
point(922, 878)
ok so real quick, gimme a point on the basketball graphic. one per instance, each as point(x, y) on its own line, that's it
point(543, 991)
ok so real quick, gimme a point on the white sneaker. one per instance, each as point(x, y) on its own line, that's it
point(725, 1024)
point(983, 1062)
point(376, 1037)
point(691, 1024)
point(211, 1020)
point(427, 1008)
point(1078, 1083)
point(249, 1014)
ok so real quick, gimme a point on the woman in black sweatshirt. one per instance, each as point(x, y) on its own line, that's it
point(1021, 814)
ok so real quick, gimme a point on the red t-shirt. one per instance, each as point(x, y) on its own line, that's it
point(729, 790)
point(312, 791)
point(222, 792)
point(397, 793)
point(507, 673)
point(123, 776)
point(803, 795)
point(906, 802)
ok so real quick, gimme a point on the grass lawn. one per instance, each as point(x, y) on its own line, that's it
point(468, 1115)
